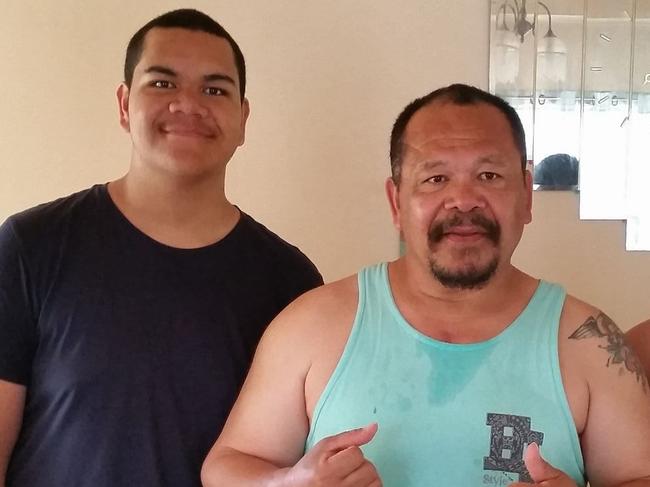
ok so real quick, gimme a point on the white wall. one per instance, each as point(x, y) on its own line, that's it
point(327, 79)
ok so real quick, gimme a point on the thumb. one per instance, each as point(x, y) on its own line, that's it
point(355, 437)
point(540, 470)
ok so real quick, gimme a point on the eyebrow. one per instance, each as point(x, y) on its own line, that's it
point(161, 70)
point(219, 77)
point(492, 159)
point(432, 164)
point(208, 77)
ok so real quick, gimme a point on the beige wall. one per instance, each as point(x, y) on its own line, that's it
point(327, 79)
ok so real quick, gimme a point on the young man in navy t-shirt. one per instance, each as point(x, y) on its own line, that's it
point(129, 312)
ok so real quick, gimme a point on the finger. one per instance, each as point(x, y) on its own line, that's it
point(356, 437)
point(540, 470)
point(347, 461)
point(364, 476)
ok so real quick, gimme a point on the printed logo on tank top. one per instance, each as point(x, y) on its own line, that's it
point(509, 437)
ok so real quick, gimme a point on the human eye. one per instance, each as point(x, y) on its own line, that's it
point(436, 179)
point(214, 91)
point(489, 176)
point(162, 83)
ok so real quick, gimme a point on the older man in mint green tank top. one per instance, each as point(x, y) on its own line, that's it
point(449, 366)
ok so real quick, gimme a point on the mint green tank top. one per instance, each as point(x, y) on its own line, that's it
point(453, 415)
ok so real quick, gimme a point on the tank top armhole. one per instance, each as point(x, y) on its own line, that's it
point(343, 360)
point(558, 383)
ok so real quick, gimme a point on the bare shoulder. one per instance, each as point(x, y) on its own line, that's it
point(310, 334)
point(316, 315)
point(334, 294)
point(608, 392)
point(269, 419)
point(574, 314)
point(597, 342)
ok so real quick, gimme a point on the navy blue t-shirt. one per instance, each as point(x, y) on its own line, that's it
point(132, 352)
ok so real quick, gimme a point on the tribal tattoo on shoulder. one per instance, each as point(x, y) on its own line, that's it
point(620, 353)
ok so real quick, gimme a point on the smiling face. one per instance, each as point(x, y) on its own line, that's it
point(462, 201)
point(183, 109)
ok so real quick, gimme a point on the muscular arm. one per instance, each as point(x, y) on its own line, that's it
point(614, 440)
point(266, 430)
point(263, 441)
point(12, 400)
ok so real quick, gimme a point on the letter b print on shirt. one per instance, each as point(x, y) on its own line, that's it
point(510, 435)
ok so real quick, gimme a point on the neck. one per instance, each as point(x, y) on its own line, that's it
point(184, 213)
point(459, 315)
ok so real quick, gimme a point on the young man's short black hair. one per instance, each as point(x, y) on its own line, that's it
point(458, 94)
point(184, 19)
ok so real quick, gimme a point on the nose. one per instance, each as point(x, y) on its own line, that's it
point(188, 103)
point(464, 196)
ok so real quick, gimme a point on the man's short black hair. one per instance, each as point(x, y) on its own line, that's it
point(458, 94)
point(557, 171)
point(189, 19)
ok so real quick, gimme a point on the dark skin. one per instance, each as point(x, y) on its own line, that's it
point(620, 353)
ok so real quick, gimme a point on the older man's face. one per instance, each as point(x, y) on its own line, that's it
point(462, 201)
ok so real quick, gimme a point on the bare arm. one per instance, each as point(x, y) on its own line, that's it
point(263, 441)
point(335, 461)
point(610, 400)
point(615, 438)
point(12, 401)
point(267, 427)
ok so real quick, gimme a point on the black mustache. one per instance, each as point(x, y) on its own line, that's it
point(491, 228)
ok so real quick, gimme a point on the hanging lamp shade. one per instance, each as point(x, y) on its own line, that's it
point(552, 63)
